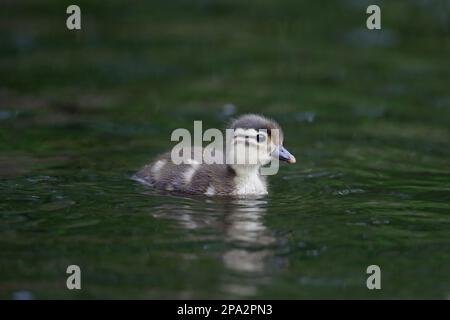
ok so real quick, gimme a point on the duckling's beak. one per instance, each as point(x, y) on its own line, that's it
point(283, 154)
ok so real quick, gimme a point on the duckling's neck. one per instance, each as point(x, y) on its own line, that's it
point(248, 181)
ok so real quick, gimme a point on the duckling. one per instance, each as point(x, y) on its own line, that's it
point(251, 133)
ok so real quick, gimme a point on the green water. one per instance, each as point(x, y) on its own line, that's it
point(366, 113)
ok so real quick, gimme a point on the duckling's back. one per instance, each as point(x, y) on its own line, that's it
point(193, 177)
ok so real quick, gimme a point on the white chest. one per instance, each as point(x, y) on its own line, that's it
point(250, 185)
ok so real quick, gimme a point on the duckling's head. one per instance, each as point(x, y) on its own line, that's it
point(256, 140)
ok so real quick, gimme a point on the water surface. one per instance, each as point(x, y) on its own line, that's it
point(366, 114)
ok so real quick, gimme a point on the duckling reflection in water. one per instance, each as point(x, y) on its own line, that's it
point(253, 136)
point(249, 250)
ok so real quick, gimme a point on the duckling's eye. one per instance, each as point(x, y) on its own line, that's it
point(260, 138)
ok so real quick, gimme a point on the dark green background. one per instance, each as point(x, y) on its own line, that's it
point(366, 113)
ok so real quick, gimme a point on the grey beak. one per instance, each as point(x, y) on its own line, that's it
point(283, 154)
